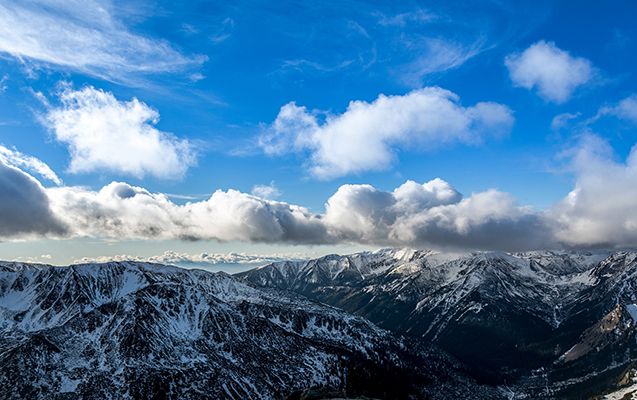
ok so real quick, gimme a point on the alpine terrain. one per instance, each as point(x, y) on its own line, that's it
point(147, 331)
point(540, 324)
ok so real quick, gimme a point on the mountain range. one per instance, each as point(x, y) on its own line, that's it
point(389, 324)
point(132, 330)
point(544, 324)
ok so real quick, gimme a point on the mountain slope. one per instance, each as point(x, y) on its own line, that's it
point(509, 317)
point(135, 330)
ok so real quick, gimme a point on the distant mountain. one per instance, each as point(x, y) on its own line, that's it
point(542, 324)
point(132, 330)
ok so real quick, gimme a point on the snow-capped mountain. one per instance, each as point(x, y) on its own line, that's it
point(511, 318)
point(131, 330)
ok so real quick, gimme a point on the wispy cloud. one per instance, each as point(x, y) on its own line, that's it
point(85, 36)
point(3, 83)
point(417, 16)
point(15, 158)
point(625, 109)
point(435, 55)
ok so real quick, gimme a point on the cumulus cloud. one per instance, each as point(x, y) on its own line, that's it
point(549, 70)
point(432, 214)
point(424, 118)
point(601, 209)
point(120, 210)
point(86, 36)
point(429, 214)
point(30, 163)
point(266, 191)
point(103, 133)
point(24, 206)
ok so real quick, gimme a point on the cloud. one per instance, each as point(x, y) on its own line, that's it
point(86, 36)
point(435, 55)
point(103, 133)
point(196, 260)
point(24, 206)
point(3, 83)
point(601, 210)
point(30, 163)
point(429, 214)
point(119, 211)
point(424, 119)
point(563, 120)
point(626, 109)
point(432, 214)
point(549, 70)
point(416, 16)
point(266, 191)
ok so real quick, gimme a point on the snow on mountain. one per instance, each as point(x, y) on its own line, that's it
point(505, 315)
point(127, 330)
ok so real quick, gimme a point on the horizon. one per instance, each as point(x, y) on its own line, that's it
point(307, 129)
point(235, 263)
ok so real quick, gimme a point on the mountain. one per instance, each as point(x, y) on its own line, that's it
point(131, 330)
point(516, 320)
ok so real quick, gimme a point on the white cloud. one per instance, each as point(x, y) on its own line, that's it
point(86, 36)
point(30, 163)
point(435, 55)
point(549, 70)
point(601, 209)
point(626, 109)
point(120, 211)
point(367, 135)
point(266, 191)
point(432, 214)
point(3, 83)
point(563, 120)
point(103, 133)
point(416, 16)
point(197, 260)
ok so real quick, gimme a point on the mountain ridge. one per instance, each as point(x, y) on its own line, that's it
point(505, 315)
point(137, 330)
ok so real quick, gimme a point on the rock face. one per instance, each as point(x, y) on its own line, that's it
point(145, 331)
point(545, 324)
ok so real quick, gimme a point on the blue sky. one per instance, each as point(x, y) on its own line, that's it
point(212, 82)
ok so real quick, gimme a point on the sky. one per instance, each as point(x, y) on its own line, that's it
point(230, 134)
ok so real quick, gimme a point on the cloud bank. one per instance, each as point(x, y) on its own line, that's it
point(598, 212)
point(429, 214)
point(549, 70)
point(103, 133)
point(24, 206)
point(197, 260)
point(425, 118)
